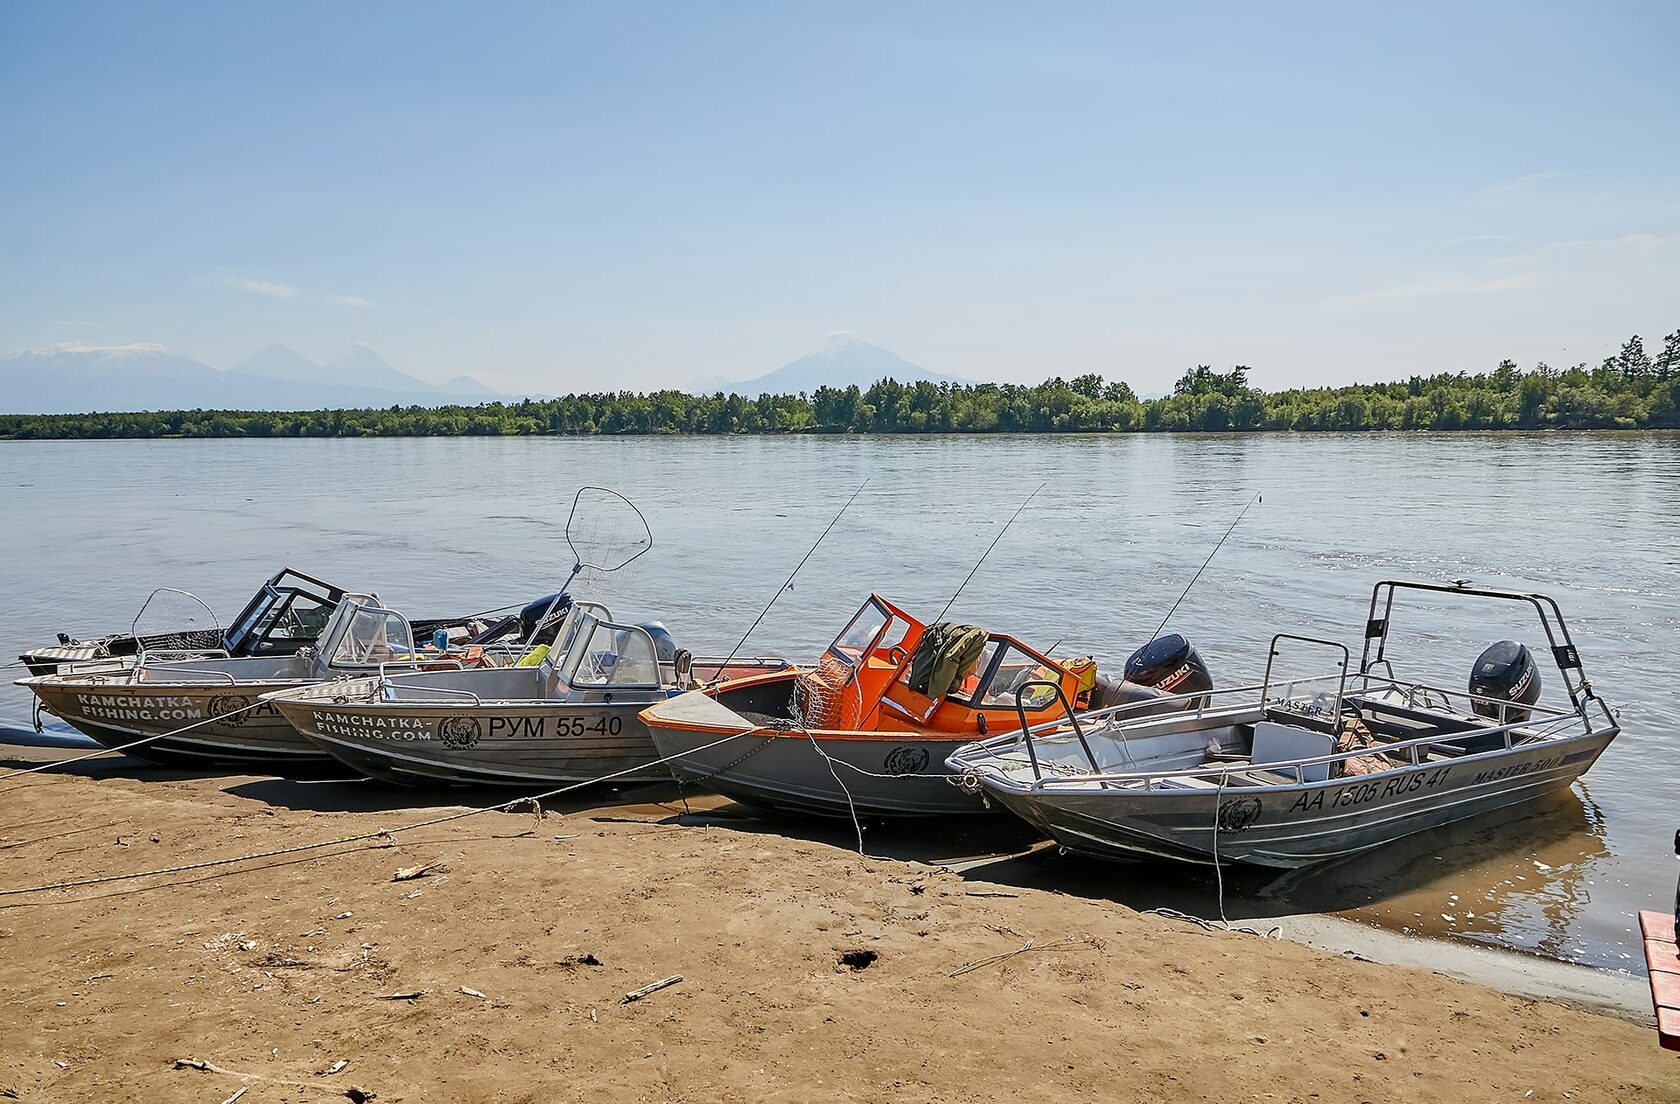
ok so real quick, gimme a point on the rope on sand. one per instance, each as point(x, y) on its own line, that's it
point(363, 837)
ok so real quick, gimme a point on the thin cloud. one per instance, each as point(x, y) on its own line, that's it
point(351, 301)
point(1433, 288)
point(263, 287)
point(1524, 183)
point(1627, 243)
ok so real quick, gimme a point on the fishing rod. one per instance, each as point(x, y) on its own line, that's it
point(971, 571)
point(1203, 568)
point(988, 550)
point(789, 581)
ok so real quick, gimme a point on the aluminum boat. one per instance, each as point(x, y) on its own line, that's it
point(294, 605)
point(1288, 774)
point(286, 613)
point(560, 714)
point(202, 703)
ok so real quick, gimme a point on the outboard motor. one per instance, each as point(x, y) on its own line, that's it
point(663, 646)
point(1505, 671)
point(531, 616)
point(1164, 667)
point(1169, 664)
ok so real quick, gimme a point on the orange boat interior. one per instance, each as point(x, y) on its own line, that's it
point(863, 684)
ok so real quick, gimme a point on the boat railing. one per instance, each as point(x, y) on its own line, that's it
point(1112, 721)
point(387, 689)
point(1418, 694)
point(1564, 654)
point(1067, 710)
point(1105, 721)
point(410, 666)
point(1295, 769)
point(148, 665)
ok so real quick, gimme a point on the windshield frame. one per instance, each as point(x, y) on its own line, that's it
point(1005, 644)
point(584, 630)
point(270, 603)
point(886, 614)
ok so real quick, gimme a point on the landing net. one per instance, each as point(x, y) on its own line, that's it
point(175, 621)
point(605, 532)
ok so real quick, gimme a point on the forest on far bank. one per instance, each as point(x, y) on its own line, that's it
point(1630, 390)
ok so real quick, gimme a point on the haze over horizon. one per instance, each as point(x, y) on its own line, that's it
point(600, 197)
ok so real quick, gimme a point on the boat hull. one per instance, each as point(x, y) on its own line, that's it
point(1292, 826)
point(521, 744)
point(224, 732)
point(820, 774)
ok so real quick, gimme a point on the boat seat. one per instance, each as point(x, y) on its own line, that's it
point(1281, 743)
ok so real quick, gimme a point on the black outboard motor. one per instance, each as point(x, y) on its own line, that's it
point(1505, 671)
point(1163, 667)
point(1169, 664)
point(532, 615)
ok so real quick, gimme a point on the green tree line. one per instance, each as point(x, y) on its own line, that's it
point(1631, 390)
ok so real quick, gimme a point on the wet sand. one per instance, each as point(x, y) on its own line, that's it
point(808, 971)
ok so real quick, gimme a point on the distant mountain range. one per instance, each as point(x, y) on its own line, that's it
point(78, 378)
point(75, 378)
point(843, 359)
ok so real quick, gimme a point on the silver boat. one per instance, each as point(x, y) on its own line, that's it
point(559, 715)
point(1287, 774)
point(286, 613)
point(204, 704)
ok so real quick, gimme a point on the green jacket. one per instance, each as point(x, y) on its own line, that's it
point(943, 657)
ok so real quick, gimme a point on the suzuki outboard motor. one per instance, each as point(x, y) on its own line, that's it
point(1505, 671)
point(1169, 664)
point(531, 616)
point(1163, 667)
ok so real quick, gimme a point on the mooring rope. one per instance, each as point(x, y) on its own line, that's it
point(506, 806)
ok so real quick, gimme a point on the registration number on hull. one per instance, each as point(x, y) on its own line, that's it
point(465, 730)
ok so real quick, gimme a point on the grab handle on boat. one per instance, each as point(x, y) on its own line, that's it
point(411, 666)
point(1067, 707)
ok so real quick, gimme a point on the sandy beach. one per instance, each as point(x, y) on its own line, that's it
point(808, 972)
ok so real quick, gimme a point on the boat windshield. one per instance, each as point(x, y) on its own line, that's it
point(569, 629)
point(368, 635)
point(1001, 669)
point(279, 618)
point(858, 638)
point(600, 653)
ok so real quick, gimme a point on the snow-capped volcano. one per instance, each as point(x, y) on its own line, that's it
point(843, 359)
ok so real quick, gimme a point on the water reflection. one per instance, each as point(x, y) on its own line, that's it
point(1522, 877)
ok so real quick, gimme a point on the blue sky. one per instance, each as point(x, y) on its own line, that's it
point(560, 196)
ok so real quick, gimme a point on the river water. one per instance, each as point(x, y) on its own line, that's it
point(1091, 566)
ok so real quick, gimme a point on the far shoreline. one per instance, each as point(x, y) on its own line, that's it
point(1552, 432)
